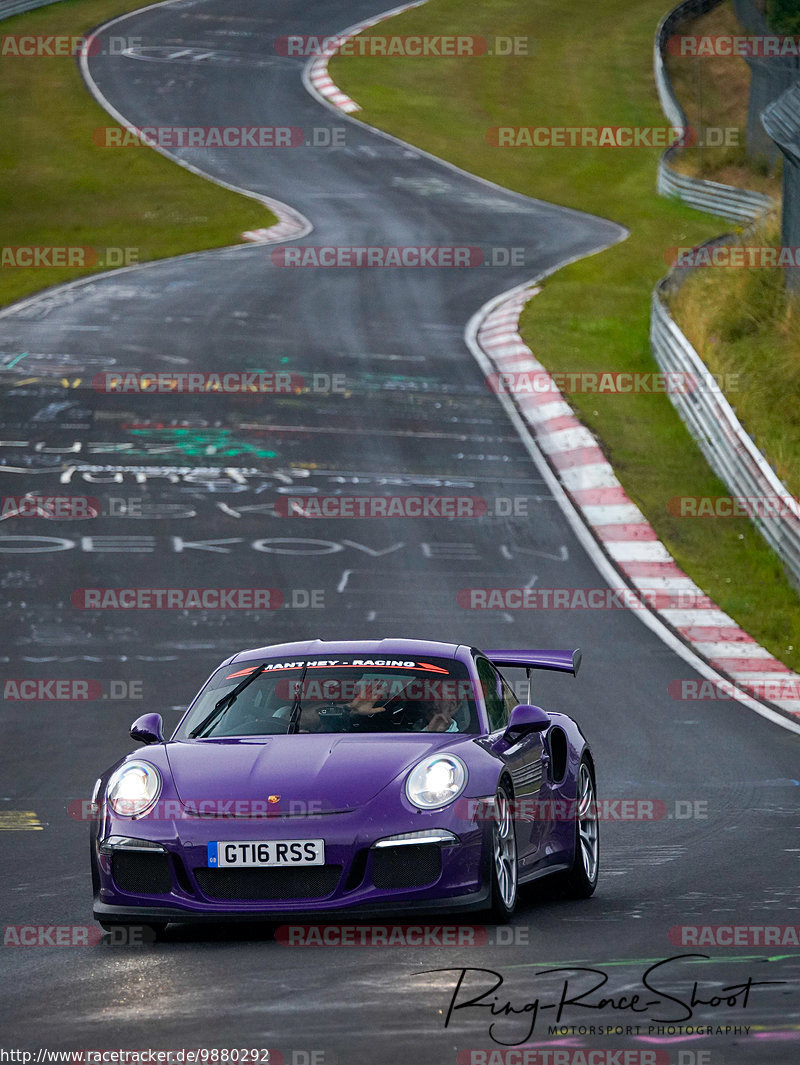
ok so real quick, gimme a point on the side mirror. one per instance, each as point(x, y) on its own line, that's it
point(147, 729)
point(526, 718)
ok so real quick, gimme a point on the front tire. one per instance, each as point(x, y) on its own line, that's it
point(504, 875)
point(581, 880)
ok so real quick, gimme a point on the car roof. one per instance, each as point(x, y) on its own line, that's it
point(387, 646)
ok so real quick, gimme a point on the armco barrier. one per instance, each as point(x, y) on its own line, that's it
point(738, 205)
point(781, 120)
point(17, 7)
point(666, 27)
point(768, 79)
point(728, 449)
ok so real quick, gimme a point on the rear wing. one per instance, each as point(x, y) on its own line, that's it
point(561, 661)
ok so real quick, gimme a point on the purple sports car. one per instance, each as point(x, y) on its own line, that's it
point(367, 778)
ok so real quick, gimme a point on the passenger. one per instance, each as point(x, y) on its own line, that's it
point(441, 715)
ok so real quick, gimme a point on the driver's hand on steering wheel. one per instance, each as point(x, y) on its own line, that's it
point(364, 705)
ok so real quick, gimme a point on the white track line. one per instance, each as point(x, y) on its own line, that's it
point(596, 471)
point(492, 337)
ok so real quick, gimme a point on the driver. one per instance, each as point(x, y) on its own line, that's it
point(366, 703)
point(370, 703)
point(434, 715)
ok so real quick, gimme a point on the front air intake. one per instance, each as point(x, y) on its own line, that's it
point(141, 873)
point(411, 865)
point(267, 884)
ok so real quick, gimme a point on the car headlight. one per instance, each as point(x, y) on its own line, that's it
point(133, 788)
point(436, 781)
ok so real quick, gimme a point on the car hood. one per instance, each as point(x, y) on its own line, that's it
point(309, 773)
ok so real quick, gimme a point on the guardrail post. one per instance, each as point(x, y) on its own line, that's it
point(781, 121)
point(768, 79)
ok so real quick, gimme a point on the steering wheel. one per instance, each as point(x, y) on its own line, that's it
point(409, 715)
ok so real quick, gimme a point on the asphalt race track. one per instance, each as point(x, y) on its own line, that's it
point(190, 490)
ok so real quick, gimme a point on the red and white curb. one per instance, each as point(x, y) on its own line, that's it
point(286, 228)
point(319, 77)
point(624, 534)
point(316, 73)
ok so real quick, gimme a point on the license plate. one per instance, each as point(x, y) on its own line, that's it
point(266, 853)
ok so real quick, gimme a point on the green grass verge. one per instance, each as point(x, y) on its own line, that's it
point(592, 65)
point(744, 322)
point(60, 189)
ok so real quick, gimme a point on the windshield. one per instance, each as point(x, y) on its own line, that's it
point(347, 694)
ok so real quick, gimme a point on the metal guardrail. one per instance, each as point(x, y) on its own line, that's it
point(737, 205)
point(18, 7)
point(666, 27)
point(708, 415)
point(768, 79)
point(728, 449)
point(781, 121)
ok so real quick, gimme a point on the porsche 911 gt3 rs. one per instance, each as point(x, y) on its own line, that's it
point(345, 778)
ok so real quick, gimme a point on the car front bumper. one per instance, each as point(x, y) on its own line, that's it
point(169, 879)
